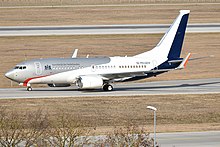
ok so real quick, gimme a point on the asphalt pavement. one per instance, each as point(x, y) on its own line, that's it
point(102, 29)
point(189, 139)
point(194, 86)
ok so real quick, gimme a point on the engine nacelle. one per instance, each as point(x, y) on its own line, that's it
point(59, 85)
point(89, 82)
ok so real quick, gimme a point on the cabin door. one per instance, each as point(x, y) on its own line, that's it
point(38, 68)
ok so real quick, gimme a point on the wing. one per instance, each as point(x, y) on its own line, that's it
point(128, 76)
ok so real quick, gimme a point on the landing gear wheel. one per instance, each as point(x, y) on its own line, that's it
point(29, 89)
point(107, 87)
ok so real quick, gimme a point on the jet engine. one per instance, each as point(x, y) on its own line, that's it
point(89, 82)
point(59, 85)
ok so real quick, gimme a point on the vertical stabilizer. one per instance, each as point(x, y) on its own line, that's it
point(176, 47)
point(170, 45)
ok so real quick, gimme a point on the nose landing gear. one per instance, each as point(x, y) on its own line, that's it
point(29, 89)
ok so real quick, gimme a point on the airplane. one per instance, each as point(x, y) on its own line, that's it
point(101, 72)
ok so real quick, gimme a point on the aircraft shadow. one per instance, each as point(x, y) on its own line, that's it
point(164, 87)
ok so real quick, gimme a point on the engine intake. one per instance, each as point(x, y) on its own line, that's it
point(89, 82)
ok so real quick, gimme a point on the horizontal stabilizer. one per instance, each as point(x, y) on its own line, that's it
point(175, 61)
point(199, 58)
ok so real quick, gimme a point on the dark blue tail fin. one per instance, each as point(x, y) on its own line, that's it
point(176, 47)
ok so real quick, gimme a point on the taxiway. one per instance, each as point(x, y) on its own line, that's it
point(196, 86)
point(182, 139)
point(102, 29)
point(192, 139)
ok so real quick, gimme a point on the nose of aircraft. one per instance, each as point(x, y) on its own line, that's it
point(10, 75)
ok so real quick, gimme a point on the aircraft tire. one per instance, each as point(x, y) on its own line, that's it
point(29, 89)
point(107, 87)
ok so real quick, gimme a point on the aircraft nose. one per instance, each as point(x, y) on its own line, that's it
point(10, 75)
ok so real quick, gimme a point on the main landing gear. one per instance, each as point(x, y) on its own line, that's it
point(107, 87)
point(29, 89)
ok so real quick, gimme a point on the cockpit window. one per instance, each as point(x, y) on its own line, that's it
point(16, 67)
point(24, 67)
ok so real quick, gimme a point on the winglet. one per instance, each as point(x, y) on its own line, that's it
point(184, 62)
point(75, 53)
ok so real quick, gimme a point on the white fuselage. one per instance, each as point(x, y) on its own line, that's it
point(117, 65)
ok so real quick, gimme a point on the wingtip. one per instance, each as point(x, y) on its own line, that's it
point(187, 59)
point(184, 62)
point(75, 53)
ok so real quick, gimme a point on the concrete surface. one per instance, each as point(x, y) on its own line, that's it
point(101, 29)
point(196, 86)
